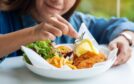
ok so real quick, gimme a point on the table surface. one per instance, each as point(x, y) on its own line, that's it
point(13, 71)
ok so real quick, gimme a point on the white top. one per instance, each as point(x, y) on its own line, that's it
point(13, 71)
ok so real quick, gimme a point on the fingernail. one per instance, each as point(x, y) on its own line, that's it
point(53, 18)
point(115, 63)
point(76, 35)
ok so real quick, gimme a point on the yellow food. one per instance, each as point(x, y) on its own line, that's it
point(58, 62)
point(84, 46)
point(64, 49)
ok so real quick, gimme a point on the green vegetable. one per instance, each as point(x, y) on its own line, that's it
point(26, 58)
point(43, 48)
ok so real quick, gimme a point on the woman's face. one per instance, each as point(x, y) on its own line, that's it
point(47, 8)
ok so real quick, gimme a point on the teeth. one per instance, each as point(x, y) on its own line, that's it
point(84, 46)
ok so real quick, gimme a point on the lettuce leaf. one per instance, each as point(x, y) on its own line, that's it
point(43, 48)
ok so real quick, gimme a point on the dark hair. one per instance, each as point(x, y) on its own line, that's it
point(23, 6)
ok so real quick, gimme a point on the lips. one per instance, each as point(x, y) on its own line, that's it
point(53, 7)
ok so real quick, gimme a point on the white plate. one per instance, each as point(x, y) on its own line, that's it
point(77, 74)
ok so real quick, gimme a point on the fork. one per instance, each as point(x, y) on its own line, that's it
point(80, 37)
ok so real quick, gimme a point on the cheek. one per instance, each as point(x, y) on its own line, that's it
point(68, 4)
point(39, 4)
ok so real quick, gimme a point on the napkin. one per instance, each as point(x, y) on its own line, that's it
point(36, 59)
point(84, 29)
point(86, 34)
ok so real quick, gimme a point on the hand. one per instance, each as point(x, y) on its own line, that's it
point(124, 50)
point(55, 26)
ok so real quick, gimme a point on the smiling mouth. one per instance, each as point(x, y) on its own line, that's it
point(53, 8)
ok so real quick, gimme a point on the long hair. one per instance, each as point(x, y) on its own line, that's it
point(23, 6)
point(70, 12)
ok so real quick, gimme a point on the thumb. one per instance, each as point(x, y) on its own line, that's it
point(112, 46)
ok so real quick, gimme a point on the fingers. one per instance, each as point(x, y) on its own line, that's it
point(47, 36)
point(61, 26)
point(124, 54)
point(112, 46)
point(71, 31)
point(124, 50)
point(55, 26)
point(53, 30)
point(46, 31)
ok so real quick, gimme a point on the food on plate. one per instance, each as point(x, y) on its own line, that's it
point(88, 59)
point(43, 48)
point(83, 46)
point(61, 61)
point(64, 50)
point(57, 56)
point(84, 54)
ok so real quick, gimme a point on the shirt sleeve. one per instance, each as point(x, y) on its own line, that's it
point(102, 29)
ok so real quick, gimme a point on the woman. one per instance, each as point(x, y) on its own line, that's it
point(26, 21)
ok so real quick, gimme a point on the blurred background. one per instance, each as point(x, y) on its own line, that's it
point(108, 8)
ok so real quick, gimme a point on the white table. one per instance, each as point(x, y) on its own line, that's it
point(13, 71)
